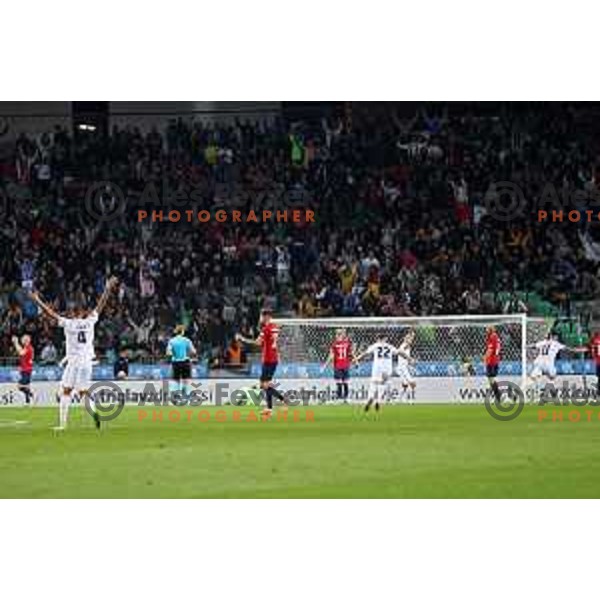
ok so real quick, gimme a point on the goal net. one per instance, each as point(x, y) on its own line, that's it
point(448, 350)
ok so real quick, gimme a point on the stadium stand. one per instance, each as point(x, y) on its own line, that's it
point(402, 224)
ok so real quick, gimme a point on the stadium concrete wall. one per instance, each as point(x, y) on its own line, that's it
point(30, 118)
point(146, 115)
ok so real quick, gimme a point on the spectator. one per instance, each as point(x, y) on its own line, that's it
point(394, 233)
point(235, 356)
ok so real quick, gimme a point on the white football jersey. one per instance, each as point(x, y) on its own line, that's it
point(79, 336)
point(548, 349)
point(383, 357)
point(405, 350)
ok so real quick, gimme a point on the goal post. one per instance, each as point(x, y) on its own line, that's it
point(448, 350)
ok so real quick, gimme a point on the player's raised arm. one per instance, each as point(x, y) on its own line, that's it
point(569, 349)
point(368, 351)
point(404, 355)
point(110, 284)
point(35, 296)
point(245, 340)
point(586, 348)
point(18, 348)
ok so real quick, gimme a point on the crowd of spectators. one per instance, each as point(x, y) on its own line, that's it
point(403, 222)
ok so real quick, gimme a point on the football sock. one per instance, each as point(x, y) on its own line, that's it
point(92, 404)
point(269, 395)
point(496, 391)
point(63, 409)
point(276, 393)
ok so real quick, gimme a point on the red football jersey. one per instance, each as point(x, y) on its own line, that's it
point(595, 348)
point(26, 359)
point(269, 334)
point(492, 350)
point(342, 354)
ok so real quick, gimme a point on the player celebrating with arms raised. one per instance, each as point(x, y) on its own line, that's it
point(267, 340)
point(407, 379)
point(544, 362)
point(25, 352)
point(491, 360)
point(79, 339)
point(382, 370)
point(341, 355)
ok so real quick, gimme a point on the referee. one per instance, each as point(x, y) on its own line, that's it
point(181, 350)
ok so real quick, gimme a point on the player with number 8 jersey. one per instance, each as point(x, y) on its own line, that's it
point(79, 341)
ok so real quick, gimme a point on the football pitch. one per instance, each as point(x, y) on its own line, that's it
point(421, 451)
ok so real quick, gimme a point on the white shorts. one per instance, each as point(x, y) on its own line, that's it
point(543, 367)
point(378, 389)
point(77, 374)
point(381, 376)
point(404, 374)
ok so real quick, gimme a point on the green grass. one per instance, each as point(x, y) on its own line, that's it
point(427, 451)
